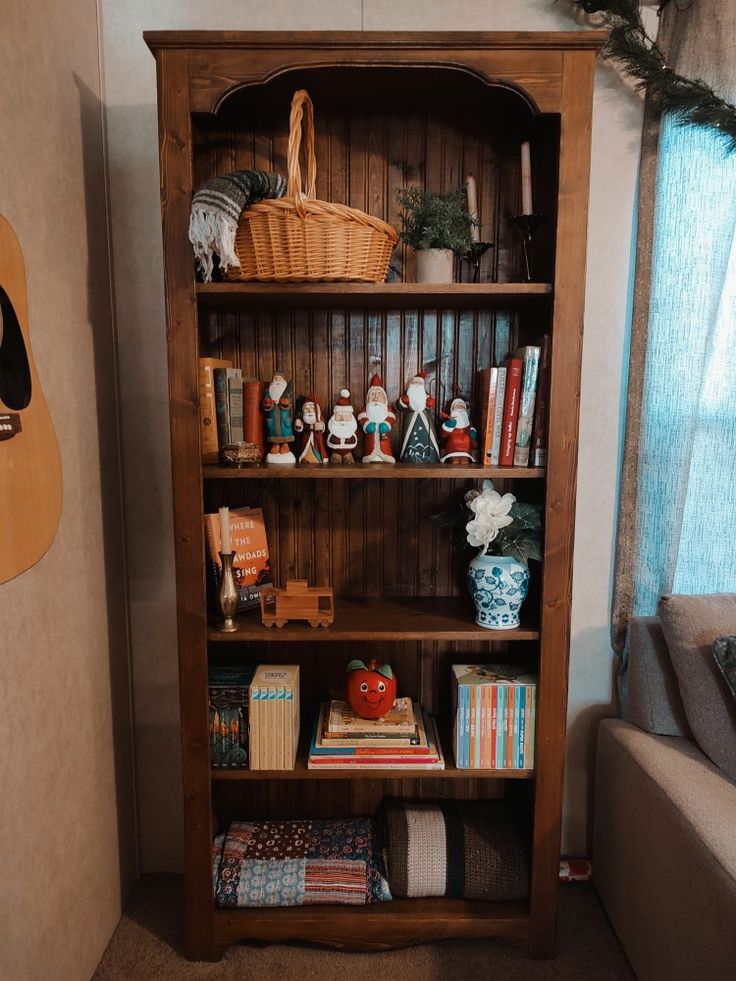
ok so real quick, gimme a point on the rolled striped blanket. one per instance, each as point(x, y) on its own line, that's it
point(467, 850)
point(216, 209)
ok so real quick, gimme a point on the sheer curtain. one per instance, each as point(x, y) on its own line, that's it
point(677, 522)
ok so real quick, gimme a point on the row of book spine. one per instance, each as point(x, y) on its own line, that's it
point(494, 727)
point(513, 409)
point(274, 717)
point(226, 402)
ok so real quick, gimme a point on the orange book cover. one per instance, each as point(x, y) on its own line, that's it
point(487, 387)
point(207, 415)
point(251, 564)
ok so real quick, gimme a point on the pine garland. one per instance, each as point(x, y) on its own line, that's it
point(688, 100)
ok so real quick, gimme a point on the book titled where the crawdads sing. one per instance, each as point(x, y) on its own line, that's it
point(251, 564)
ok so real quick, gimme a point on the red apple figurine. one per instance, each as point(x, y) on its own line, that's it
point(371, 690)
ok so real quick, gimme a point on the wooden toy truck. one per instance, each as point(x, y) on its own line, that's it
point(297, 602)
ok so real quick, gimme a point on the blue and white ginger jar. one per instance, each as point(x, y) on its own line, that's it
point(498, 585)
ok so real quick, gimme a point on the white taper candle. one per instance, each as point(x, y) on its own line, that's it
point(526, 180)
point(225, 542)
point(472, 193)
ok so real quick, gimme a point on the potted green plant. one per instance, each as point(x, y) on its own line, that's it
point(508, 534)
point(436, 226)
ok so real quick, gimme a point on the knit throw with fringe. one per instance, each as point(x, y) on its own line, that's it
point(216, 209)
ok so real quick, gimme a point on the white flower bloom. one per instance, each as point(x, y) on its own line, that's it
point(491, 512)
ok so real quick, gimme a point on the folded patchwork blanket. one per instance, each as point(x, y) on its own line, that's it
point(299, 863)
point(463, 849)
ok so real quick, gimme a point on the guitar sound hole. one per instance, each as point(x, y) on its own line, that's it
point(15, 375)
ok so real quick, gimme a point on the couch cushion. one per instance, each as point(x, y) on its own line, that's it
point(690, 625)
point(650, 697)
point(664, 859)
point(724, 651)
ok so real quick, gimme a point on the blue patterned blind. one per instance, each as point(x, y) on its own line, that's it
point(687, 461)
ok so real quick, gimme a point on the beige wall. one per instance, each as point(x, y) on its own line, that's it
point(67, 833)
point(131, 117)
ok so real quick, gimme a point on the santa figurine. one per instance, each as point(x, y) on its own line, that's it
point(310, 426)
point(342, 430)
point(418, 433)
point(377, 419)
point(457, 433)
point(277, 413)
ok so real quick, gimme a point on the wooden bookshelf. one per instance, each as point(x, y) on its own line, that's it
point(390, 110)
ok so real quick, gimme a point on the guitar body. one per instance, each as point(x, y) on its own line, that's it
point(30, 463)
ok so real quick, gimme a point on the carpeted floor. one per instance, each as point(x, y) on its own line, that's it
point(147, 945)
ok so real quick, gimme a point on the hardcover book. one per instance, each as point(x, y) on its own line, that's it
point(228, 716)
point(229, 405)
point(207, 410)
point(400, 719)
point(539, 433)
point(530, 357)
point(251, 564)
point(274, 728)
point(510, 412)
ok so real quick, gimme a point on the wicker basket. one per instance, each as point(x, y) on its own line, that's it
point(298, 239)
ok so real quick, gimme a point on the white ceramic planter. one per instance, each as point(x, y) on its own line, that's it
point(498, 585)
point(435, 265)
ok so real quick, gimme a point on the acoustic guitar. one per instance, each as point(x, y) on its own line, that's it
point(30, 463)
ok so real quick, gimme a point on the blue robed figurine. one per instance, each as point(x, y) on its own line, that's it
point(278, 407)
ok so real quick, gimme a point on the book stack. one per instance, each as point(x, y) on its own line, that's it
point(274, 717)
point(228, 716)
point(405, 739)
point(494, 708)
point(513, 409)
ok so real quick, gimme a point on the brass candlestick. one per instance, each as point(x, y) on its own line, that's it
point(228, 594)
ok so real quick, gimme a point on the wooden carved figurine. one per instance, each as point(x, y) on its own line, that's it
point(342, 430)
point(311, 428)
point(458, 435)
point(297, 602)
point(418, 433)
point(377, 420)
point(277, 412)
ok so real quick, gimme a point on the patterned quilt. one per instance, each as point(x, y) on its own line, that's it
point(299, 863)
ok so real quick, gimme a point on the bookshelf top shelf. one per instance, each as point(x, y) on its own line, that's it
point(381, 296)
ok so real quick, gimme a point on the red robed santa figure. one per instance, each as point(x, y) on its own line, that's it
point(310, 426)
point(418, 434)
point(376, 418)
point(459, 438)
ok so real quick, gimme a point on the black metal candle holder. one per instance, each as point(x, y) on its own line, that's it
point(525, 226)
point(475, 253)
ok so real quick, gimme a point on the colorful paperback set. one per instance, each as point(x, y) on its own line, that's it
point(406, 739)
point(494, 709)
point(228, 715)
point(274, 717)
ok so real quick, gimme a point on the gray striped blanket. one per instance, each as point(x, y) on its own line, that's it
point(216, 209)
point(461, 849)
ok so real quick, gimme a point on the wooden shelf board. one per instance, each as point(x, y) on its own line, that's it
point(301, 772)
point(380, 926)
point(371, 471)
point(385, 296)
point(380, 620)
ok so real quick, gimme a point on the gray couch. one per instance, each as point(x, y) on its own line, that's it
point(665, 805)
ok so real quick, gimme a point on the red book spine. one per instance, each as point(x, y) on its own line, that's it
point(510, 411)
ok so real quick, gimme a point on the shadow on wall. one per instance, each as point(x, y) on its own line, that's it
point(99, 302)
point(581, 747)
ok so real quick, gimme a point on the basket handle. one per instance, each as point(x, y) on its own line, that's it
point(301, 110)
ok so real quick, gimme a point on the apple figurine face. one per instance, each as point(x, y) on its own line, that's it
point(371, 690)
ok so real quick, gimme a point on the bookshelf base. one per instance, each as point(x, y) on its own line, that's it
point(384, 926)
